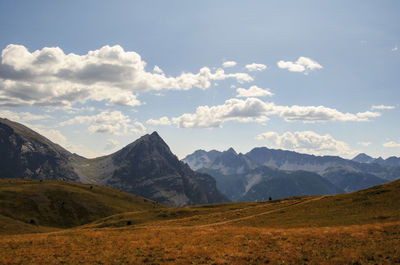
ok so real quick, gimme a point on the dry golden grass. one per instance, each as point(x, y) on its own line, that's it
point(366, 244)
point(357, 228)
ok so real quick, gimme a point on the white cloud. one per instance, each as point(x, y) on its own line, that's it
point(253, 91)
point(49, 77)
point(113, 122)
point(306, 142)
point(365, 144)
point(137, 128)
point(158, 70)
point(228, 64)
point(22, 116)
point(255, 67)
point(303, 64)
point(256, 110)
point(111, 144)
point(161, 121)
point(57, 137)
point(395, 48)
point(391, 144)
point(382, 107)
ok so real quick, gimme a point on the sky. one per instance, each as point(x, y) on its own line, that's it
point(317, 77)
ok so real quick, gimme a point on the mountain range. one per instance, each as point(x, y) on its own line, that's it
point(146, 167)
point(390, 161)
point(263, 173)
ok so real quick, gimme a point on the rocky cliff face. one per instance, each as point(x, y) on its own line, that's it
point(26, 154)
point(146, 167)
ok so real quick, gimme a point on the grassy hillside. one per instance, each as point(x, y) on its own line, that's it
point(31, 205)
point(356, 228)
point(374, 205)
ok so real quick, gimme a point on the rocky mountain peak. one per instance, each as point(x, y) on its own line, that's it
point(363, 158)
point(231, 151)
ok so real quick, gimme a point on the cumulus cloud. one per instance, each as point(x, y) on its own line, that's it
point(255, 67)
point(112, 122)
point(253, 91)
point(382, 107)
point(111, 144)
point(391, 144)
point(303, 64)
point(49, 77)
point(365, 144)
point(228, 64)
point(57, 137)
point(157, 70)
point(22, 116)
point(306, 142)
point(161, 121)
point(395, 48)
point(256, 110)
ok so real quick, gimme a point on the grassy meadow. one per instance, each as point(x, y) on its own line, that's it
point(356, 228)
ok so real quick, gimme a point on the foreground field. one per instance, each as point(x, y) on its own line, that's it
point(366, 244)
point(357, 228)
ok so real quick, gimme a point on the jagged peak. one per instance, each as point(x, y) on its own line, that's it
point(230, 151)
point(362, 156)
point(155, 134)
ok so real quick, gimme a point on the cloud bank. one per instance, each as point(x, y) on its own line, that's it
point(49, 77)
point(303, 65)
point(382, 107)
point(306, 142)
point(161, 121)
point(255, 67)
point(253, 91)
point(112, 122)
point(391, 144)
point(256, 110)
point(229, 64)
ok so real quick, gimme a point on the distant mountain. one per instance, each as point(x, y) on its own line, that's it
point(392, 161)
point(201, 158)
point(146, 167)
point(266, 182)
point(363, 158)
point(260, 183)
point(234, 172)
point(290, 160)
point(229, 162)
point(349, 180)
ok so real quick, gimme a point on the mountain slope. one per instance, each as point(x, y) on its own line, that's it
point(350, 180)
point(146, 167)
point(201, 158)
point(261, 183)
point(27, 154)
point(229, 162)
point(32, 205)
point(277, 184)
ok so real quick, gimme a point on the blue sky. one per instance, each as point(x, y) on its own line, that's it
point(319, 77)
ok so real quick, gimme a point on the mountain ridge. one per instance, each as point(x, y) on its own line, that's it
point(344, 175)
point(146, 167)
